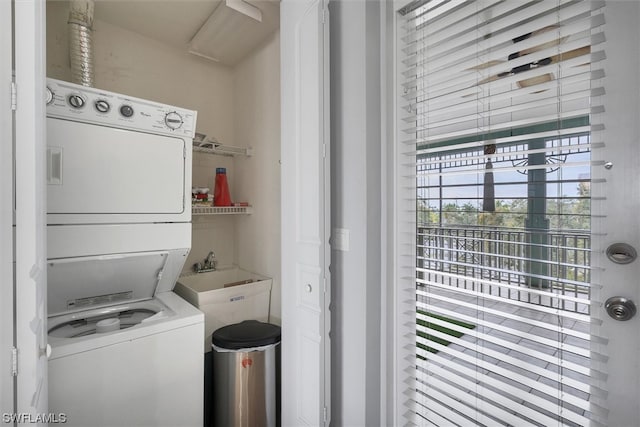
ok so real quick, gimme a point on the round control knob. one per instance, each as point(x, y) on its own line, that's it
point(173, 120)
point(126, 110)
point(102, 106)
point(49, 95)
point(76, 101)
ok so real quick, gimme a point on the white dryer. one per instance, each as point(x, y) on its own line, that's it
point(126, 350)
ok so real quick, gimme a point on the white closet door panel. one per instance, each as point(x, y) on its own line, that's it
point(305, 214)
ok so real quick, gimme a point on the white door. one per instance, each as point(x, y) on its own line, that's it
point(305, 212)
point(620, 194)
point(493, 347)
point(6, 211)
point(30, 221)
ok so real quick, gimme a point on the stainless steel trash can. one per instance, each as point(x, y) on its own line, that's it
point(246, 358)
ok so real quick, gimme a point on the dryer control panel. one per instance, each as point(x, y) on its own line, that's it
point(90, 105)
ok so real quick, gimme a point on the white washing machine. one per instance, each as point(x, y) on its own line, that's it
point(125, 349)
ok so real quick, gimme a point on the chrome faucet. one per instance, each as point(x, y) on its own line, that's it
point(209, 264)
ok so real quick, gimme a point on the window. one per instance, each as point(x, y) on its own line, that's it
point(537, 232)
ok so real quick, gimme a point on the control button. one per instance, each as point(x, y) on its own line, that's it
point(173, 120)
point(102, 106)
point(49, 95)
point(126, 110)
point(76, 101)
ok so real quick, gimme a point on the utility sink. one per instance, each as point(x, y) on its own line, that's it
point(226, 296)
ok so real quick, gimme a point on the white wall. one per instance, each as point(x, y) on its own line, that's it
point(213, 232)
point(257, 178)
point(356, 206)
point(129, 63)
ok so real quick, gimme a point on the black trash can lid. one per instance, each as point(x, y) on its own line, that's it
point(247, 334)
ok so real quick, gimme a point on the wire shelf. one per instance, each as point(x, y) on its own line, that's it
point(221, 210)
point(205, 144)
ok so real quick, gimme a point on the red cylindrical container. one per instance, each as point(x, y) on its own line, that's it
point(221, 196)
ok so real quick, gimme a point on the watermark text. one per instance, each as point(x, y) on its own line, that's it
point(28, 418)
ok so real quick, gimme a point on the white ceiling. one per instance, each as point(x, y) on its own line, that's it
point(176, 22)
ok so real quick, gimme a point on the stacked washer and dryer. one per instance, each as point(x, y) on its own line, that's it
point(126, 350)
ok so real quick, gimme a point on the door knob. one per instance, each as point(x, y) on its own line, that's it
point(620, 308)
point(621, 253)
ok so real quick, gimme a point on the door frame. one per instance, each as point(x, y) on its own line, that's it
point(30, 206)
point(394, 344)
point(7, 320)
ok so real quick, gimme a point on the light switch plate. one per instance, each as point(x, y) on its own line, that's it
point(341, 239)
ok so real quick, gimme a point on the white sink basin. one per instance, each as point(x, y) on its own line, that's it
point(226, 296)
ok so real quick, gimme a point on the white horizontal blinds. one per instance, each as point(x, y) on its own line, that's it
point(497, 103)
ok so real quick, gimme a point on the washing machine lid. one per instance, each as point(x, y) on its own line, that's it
point(77, 284)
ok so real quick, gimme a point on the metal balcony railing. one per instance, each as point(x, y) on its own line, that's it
point(553, 260)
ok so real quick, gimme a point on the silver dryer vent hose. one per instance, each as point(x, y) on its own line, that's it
point(80, 42)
